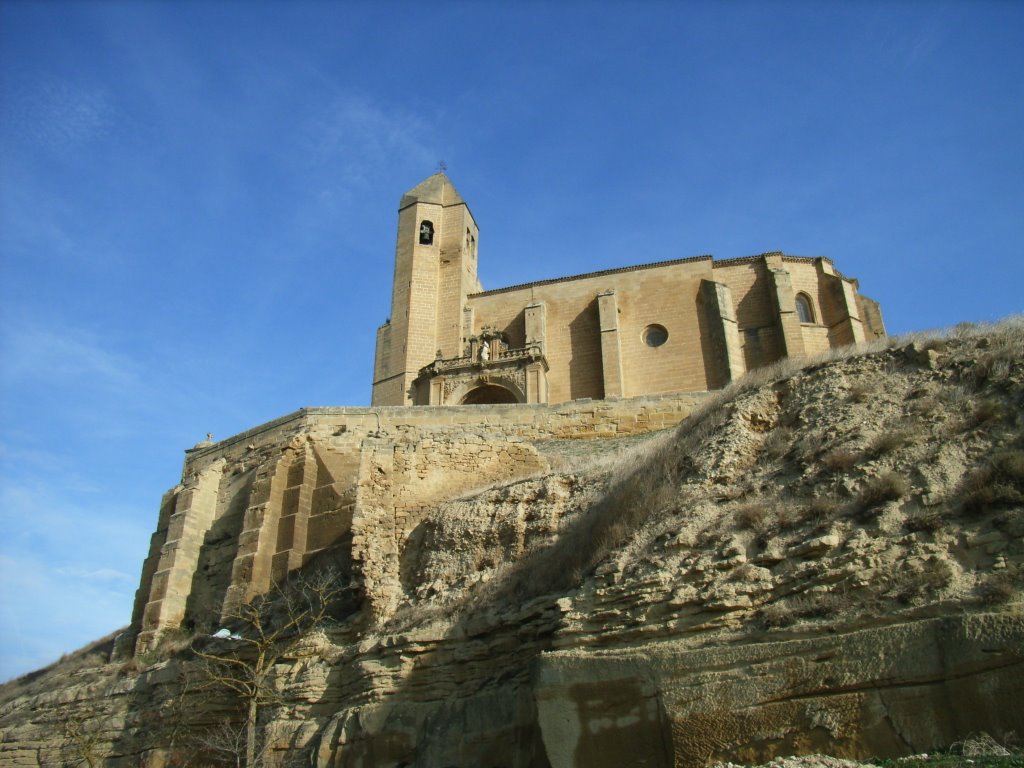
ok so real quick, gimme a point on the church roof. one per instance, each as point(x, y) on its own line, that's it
point(437, 189)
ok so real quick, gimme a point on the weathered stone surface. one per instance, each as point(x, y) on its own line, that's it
point(867, 692)
point(767, 580)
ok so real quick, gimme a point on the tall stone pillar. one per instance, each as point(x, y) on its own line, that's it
point(537, 382)
point(724, 330)
point(195, 507)
point(611, 353)
point(785, 305)
point(296, 502)
point(850, 329)
point(251, 571)
point(536, 324)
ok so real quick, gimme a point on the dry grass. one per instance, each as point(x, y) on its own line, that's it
point(888, 486)
point(786, 612)
point(777, 615)
point(840, 459)
point(862, 391)
point(93, 655)
point(986, 411)
point(925, 520)
point(999, 587)
point(755, 516)
point(643, 482)
point(907, 585)
point(821, 509)
point(996, 484)
point(777, 444)
point(889, 441)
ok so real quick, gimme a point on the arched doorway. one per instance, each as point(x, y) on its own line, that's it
point(488, 394)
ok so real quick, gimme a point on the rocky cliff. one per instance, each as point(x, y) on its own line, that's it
point(825, 557)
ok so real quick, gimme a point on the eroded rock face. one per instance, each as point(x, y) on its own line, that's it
point(828, 562)
point(865, 692)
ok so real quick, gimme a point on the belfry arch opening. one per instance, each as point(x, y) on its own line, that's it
point(488, 394)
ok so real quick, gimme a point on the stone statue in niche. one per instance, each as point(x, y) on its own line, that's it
point(485, 351)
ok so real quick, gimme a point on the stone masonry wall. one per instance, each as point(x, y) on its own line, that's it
point(349, 482)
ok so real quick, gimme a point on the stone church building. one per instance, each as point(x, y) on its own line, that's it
point(685, 325)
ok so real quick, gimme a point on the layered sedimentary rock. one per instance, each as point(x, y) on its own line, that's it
point(827, 558)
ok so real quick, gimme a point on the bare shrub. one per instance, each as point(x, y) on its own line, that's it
point(995, 484)
point(785, 613)
point(936, 343)
point(999, 587)
point(840, 459)
point(991, 368)
point(888, 486)
point(83, 739)
point(907, 585)
point(755, 516)
point(889, 441)
point(131, 667)
point(776, 615)
point(822, 508)
point(1002, 353)
point(174, 641)
point(240, 667)
point(922, 405)
point(818, 605)
point(789, 516)
point(860, 391)
point(980, 745)
point(924, 521)
point(986, 411)
point(1009, 465)
point(810, 446)
point(956, 398)
point(777, 444)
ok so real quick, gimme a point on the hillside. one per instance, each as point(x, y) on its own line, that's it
point(825, 557)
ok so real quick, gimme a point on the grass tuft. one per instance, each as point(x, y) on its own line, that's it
point(888, 486)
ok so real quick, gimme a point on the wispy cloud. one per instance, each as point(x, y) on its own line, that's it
point(347, 146)
point(58, 113)
point(46, 612)
point(34, 352)
point(362, 138)
point(106, 576)
point(68, 566)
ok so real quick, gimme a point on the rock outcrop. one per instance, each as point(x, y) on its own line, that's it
point(827, 557)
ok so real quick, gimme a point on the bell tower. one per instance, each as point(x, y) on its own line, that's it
point(435, 269)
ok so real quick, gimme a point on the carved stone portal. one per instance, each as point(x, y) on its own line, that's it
point(490, 372)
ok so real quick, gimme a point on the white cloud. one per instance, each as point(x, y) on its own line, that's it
point(36, 353)
point(363, 138)
point(46, 612)
point(58, 113)
point(99, 575)
point(69, 565)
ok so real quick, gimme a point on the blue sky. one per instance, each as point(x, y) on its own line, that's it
point(198, 201)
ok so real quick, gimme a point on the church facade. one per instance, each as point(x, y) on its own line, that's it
point(685, 325)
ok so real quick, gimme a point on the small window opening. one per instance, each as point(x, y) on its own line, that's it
point(803, 308)
point(655, 335)
point(426, 233)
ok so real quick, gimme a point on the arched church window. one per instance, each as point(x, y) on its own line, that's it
point(803, 308)
point(426, 232)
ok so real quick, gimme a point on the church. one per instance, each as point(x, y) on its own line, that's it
point(683, 325)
